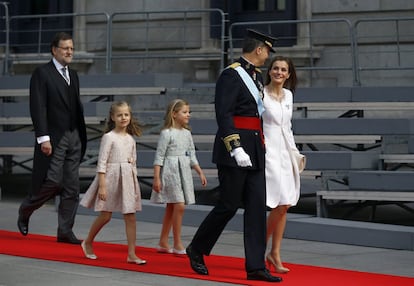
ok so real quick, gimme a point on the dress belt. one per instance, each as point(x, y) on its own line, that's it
point(177, 153)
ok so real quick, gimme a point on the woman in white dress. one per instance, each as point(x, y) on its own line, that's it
point(282, 170)
point(115, 186)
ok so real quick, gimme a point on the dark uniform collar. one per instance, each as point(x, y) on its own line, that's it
point(249, 67)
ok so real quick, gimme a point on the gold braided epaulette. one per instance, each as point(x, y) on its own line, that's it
point(234, 65)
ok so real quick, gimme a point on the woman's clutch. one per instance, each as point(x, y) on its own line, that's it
point(300, 160)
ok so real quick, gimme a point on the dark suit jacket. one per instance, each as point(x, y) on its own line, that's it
point(233, 98)
point(49, 109)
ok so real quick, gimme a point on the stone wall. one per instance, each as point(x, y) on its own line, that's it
point(329, 46)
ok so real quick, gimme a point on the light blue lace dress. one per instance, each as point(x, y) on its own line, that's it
point(176, 154)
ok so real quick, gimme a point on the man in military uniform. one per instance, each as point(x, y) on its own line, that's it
point(239, 153)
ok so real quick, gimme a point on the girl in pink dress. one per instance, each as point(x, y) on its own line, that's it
point(115, 186)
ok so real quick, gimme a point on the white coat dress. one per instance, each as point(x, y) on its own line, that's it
point(282, 172)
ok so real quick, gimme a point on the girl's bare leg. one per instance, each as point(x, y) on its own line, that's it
point(166, 227)
point(97, 225)
point(177, 219)
point(131, 234)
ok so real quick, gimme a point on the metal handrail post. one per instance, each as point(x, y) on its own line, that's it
point(223, 31)
point(398, 41)
point(355, 57)
point(108, 63)
point(311, 54)
point(39, 37)
point(7, 48)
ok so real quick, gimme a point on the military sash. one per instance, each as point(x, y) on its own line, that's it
point(248, 81)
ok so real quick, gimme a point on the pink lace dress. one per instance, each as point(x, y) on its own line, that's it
point(117, 159)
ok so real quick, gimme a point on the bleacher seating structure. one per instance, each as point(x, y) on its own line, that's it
point(339, 130)
point(384, 112)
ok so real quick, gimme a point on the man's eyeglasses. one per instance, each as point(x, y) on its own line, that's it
point(67, 49)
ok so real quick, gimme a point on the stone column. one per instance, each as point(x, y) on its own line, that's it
point(304, 12)
point(79, 25)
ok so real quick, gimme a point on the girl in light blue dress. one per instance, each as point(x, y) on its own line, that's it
point(173, 179)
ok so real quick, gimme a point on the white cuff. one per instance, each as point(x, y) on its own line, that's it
point(42, 139)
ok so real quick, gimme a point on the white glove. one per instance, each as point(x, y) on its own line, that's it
point(242, 158)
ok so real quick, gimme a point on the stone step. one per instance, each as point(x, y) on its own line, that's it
point(382, 180)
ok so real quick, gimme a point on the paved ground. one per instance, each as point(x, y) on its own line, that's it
point(24, 271)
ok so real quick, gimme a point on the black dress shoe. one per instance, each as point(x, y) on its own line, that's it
point(196, 261)
point(263, 275)
point(23, 225)
point(68, 238)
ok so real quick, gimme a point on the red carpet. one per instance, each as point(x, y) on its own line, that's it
point(221, 268)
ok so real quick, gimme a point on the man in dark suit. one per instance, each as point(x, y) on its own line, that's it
point(60, 131)
point(239, 153)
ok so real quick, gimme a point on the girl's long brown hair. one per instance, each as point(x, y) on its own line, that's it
point(133, 128)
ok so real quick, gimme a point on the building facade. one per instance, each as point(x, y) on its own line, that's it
point(333, 42)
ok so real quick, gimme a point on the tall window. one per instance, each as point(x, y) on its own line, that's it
point(28, 35)
point(253, 5)
point(39, 7)
point(261, 10)
point(262, 5)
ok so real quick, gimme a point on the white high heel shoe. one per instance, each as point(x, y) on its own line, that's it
point(271, 262)
point(87, 255)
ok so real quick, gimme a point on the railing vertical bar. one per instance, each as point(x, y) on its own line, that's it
point(7, 38)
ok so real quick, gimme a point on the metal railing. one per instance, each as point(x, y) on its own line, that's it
point(115, 38)
point(389, 38)
point(181, 31)
point(37, 31)
point(181, 34)
point(392, 38)
point(311, 39)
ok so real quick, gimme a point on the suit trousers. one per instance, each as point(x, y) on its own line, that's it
point(62, 179)
point(238, 188)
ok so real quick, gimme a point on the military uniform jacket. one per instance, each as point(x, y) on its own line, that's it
point(233, 98)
